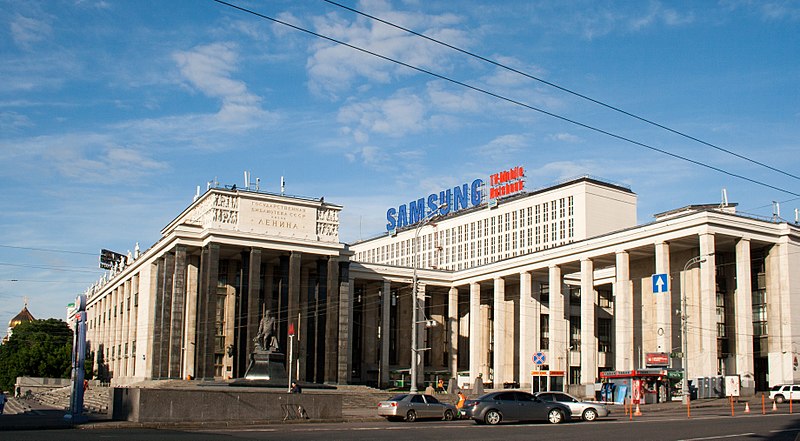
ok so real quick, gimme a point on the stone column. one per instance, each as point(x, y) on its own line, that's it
point(559, 344)
point(452, 321)
point(588, 325)
point(208, 300)
point(664, 308)
point(178, 303)
point(779, 315)
point(190, 325)
point(707, 355)
point(422, 334)
point(253, 301)
point(345, 349)
point(292, 308)
point(158, 319)
point(528, 344)
point(499, 331)
point(386, 304)
point(474, 331)
point(166, 314)
point(623, 313)
point(126, 326)
point(743, 316)
point(332, 323)
point(303, 325)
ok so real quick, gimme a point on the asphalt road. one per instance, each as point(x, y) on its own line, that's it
point(666, 426)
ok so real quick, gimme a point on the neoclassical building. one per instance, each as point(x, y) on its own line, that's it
point(564, 271)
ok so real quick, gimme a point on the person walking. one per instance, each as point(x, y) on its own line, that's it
point(3, 400)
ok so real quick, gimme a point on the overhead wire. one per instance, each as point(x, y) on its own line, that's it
point(508, 99)
point(561, 88)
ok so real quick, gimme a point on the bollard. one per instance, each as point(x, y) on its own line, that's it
point(730, 399)
point(638, 412)
point(689, 409)
point(774, 406)
point(763, 405)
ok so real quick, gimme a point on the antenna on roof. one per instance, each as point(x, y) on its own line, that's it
point(246, 180)
point(258, 183)
point(797, 215)
point(724, 197)
point(196, 194)
point(776, 210)
point(283, 185)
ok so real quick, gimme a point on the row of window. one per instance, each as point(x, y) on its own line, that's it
point(498, 237)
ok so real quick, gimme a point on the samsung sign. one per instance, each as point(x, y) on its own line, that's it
point(458, 198)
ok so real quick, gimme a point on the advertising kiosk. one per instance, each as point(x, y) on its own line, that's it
point(641, 386)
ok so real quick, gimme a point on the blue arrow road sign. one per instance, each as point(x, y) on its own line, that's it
point(660, 283)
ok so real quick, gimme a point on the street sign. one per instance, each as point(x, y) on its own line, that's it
point(660, 283)
point(539, 358)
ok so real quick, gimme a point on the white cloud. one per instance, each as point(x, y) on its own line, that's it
point(396, 116)
point(505, 145)
point(26, 31)
point(13, 121)
point(564, 137)
point(209, 69)
point(333, 68)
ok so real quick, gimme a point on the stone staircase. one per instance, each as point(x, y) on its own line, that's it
point(360, 397)
point(95, 399)
point(16, 406)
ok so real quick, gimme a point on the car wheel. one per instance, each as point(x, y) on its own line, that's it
point(411, 416)
point(492, 417)
point(779, 399)
point(555, 416)
point(589, 415)
point(448, 415)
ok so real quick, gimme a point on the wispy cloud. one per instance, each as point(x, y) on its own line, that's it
point(26, 31)
point(209, 69)
point(505, 144)
point(766, 9)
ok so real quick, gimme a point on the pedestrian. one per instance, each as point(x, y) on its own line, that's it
point(3, 400)
point(85, 385)
point(477, 388)
point(430, 390)
point(461, 399)
point(440, 385)
point(296, 389)
point(18, 392)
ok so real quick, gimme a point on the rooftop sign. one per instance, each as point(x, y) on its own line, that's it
point(458, 198)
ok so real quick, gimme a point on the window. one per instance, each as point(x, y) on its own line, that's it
point(574, 295)
point(604, 298)
point(544, 332)
point(574, 333)
point(603, 335)
point(544, 294)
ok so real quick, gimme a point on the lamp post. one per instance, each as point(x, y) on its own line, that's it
point(684, 320)
point(415, 304)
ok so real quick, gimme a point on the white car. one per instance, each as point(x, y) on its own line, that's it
point(585, 410)
point(784, 392)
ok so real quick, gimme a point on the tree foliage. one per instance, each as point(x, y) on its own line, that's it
point(40, 348)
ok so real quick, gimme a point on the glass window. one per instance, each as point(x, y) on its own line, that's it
point(417, 399)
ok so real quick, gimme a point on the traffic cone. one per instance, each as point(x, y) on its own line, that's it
point(774, 406)
point(638, 412)
point(746, 407)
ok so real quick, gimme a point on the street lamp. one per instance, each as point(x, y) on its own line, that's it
point(684, 319)
point(415, 304)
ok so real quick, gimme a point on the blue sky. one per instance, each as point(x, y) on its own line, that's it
point(112, 112)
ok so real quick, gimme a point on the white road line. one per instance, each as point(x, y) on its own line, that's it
point(720, 437)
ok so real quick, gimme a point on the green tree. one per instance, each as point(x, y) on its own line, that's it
point(41, 348)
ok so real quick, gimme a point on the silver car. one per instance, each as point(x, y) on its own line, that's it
point(410, 407)
point(585, 410)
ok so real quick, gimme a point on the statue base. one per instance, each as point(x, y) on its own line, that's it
point(267, 366)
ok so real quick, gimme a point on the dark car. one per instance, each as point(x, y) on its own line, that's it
point(494, 407)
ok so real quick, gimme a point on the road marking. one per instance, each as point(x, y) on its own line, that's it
point(720, 437)
point(783, 430)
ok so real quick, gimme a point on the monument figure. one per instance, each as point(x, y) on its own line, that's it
point(266, 339)
point(267, 364)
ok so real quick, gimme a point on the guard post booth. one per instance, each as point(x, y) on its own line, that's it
point(640, 386)
point(547, 381)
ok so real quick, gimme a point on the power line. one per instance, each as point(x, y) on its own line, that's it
point(48, 250)
point(507, 99)
point(561, 88)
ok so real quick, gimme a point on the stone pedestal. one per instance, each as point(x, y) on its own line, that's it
point(269, 366)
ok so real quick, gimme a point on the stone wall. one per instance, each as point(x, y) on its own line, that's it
point(245, 406)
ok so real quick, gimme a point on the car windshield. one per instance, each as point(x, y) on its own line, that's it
point(398, 397)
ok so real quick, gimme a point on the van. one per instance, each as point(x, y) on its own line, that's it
point(783, 392)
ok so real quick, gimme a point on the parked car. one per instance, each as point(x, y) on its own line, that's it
point(784, 392)
point(411, 407)
point(584, 410)
point(495, 407)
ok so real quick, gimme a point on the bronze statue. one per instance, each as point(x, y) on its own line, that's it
point(266, 339)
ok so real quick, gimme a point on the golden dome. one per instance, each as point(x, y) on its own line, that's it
point(22, 317)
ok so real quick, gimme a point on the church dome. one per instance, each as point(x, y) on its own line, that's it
point(23, 317)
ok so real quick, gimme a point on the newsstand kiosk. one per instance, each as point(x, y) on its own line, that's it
point(640, 386)
point(547, 381)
